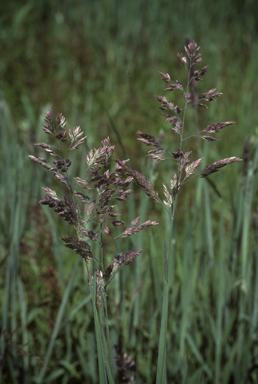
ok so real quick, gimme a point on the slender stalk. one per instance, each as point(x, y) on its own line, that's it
point(103, 341)
point(167, 258)
point(98, 332)
point(104, 186)
point(161, 366)
point(177, 179)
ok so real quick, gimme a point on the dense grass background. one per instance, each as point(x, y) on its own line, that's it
point(97, 63)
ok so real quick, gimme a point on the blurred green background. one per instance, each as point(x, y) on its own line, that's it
point(97, 62)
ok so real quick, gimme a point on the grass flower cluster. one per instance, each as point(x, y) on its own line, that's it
point(89, 203)
point(96, 221)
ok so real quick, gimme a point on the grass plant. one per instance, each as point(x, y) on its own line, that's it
point(95, 225)
point(102, 186)
point(75, 54)
point(178, 179)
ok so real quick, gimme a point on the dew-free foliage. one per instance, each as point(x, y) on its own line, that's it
point(176, 115)
point(92, 211)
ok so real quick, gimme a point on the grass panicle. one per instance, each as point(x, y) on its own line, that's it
point(191, 291)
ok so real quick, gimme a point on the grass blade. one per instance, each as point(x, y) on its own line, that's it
point(58, 321)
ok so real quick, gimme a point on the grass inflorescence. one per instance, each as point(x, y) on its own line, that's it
point(88, 316)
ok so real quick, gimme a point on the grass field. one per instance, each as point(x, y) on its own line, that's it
point(97, 63)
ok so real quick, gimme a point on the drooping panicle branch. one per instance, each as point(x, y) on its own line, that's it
point(217, 165)
point(192, 58)
point(145, 184)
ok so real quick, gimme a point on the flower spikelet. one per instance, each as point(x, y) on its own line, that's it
point(118, 223)
point(190, 168)
point(100, 155)
point(75, 135)
point(182, 59)
point(80, 247)
point(41, 161)
point(141, 180)
point(156, 155)
point(134, 229)
point(65, 208)
point(215, 127)
point(148, 139)
point(167, 195)
point(119, 260)
point(165, 77)
point(90, 208)
point(218, 164)
point(128, 257)
point(136, 221)
point(50, 197)
point(209, 138)
point(173, 181)
point(49, 116)
point(47, 148)
point(59, 176)
point(210, 95)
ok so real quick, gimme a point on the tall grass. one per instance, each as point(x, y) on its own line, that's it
point(105, 71)
point(213, 300)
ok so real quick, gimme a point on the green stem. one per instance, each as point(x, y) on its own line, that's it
point(168, 258)
point(98, 329)
point(161, 368)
